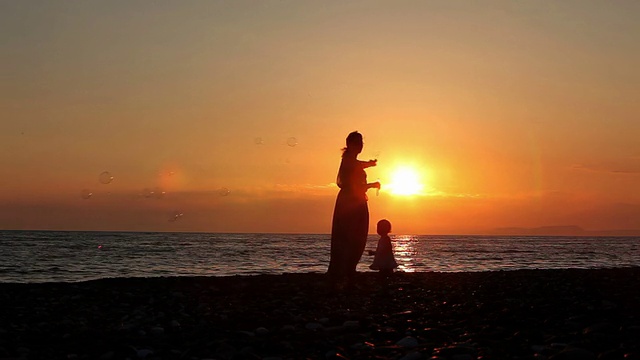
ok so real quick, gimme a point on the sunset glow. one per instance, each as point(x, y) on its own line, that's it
point(406, 181)
point(481, 115)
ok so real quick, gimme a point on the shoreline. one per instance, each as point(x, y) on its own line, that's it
point(311, 274)
point(528, 314)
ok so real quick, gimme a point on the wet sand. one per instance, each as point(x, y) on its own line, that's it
point(524, 314)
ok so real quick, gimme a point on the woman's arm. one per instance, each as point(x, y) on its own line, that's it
point(366, 164)
point(375, 185)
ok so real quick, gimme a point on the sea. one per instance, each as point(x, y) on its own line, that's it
point(64, 256)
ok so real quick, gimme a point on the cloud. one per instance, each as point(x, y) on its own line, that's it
point(442, 194)
point(611, 168)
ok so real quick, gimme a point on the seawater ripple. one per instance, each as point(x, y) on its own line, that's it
point(53, 256)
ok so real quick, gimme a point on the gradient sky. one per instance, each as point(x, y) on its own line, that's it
point(514, 114)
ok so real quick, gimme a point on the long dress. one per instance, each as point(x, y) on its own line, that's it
point(350, 224)
point(384, 260)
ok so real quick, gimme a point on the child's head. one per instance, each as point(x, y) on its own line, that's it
point(384, 227)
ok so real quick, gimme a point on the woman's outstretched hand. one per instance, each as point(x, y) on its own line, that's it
point(370, 163)
point(375, 185)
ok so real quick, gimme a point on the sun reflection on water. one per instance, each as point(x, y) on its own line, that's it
point(404, 251)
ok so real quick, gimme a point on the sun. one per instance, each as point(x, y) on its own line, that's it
point(405, 181)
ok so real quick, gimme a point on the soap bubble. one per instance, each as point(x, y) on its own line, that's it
point(86, 194)
point(158, 193)
point(175, 216)
point(146, 192)
point(224, 191)
point(258, 141)
point(292, 141)
point(105, 177)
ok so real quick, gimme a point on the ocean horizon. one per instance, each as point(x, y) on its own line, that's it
point(71, 256)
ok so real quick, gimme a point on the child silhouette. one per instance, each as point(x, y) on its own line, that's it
point(384, 260)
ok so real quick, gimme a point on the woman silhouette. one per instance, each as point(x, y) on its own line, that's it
point(351, 214)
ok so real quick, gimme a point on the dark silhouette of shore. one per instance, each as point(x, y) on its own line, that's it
point(526, 314)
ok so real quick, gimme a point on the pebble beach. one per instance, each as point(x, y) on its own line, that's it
point(522, 314)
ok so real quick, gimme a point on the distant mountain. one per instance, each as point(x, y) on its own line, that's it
point(565, 230)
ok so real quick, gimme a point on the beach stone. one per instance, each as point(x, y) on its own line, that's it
point(143, 353)
point(335, 329)
point(524, 335)
point(436, 335)
point(324, 321)
point(605, 328)
point(456, 350)
point(108, 355)
point(408, 342)
point(175, 323)
point(541, 349)
point(178, 295)
point(288, 328)
point(415, 355)
point(313, 326)
point(157, 330)
point(463, 357)
point(611, 355)
point(573, 354)
point(609, 305)
point(351, 324)
point(225, 351)
point(634, 328)
point(362, 346)
point(261, 331)
point(332, 354)
point(247, 352)
point(285, 346)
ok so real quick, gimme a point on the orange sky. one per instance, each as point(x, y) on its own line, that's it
point(513, 114)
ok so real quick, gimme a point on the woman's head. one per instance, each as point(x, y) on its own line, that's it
point(354, 143)
point(384, 227)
